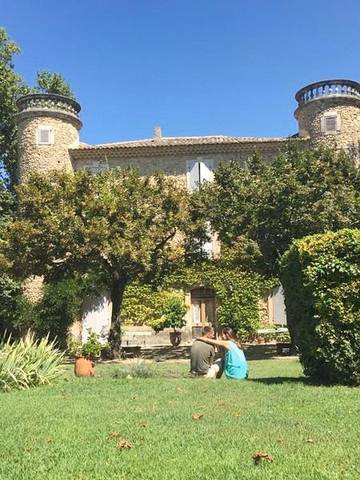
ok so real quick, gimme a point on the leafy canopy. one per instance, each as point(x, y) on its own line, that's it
point(48, 82)
point(266, 206)
point(116, 223)
point(11, 86)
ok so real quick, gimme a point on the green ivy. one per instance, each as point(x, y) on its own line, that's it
point(237, 292)
point(321, 279)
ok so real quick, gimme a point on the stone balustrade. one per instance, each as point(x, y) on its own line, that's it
point(46, 101)
point(328, 88)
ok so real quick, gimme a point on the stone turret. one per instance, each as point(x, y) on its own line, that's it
point(329, 113)
point(48, 125)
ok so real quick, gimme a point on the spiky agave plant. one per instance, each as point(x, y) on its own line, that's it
point(29, 362)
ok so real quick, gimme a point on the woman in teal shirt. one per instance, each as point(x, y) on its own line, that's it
point(235, 364)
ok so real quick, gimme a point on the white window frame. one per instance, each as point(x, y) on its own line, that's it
point(51, 135)
point(323, 123)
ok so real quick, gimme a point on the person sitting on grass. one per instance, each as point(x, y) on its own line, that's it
point(202, 356)
point(235, 364)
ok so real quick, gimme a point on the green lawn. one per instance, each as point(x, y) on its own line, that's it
point(72, 430)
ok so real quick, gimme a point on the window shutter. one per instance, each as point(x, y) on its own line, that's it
point(45, 136)
point(206, 170)
point(330, 124)
point(193, 175)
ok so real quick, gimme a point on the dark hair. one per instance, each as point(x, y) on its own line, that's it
point(231, 335)
point(207, 329)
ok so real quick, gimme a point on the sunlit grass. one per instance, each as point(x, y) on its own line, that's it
point(73, 430)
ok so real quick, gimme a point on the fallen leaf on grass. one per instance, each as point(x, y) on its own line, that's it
point(124, 444)
point(113, 435)
point(258, 456)
point(196, 416)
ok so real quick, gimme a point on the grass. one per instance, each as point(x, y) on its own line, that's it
point(71, 431)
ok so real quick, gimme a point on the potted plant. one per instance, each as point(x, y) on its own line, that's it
point(174, 317)
point(85, 354)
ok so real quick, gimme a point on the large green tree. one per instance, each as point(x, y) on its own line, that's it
point(116, 223)
point(10, 289)
point(263, 206)
point(10, 87)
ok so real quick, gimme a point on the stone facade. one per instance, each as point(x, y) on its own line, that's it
point(170, 158)
point(337, 99)
point(55, 115)
point(328, 113)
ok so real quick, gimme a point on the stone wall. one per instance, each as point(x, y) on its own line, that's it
point(42, 158)
point(170, 161)
point(310, 116)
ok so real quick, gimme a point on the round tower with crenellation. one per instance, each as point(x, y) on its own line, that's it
point(329, 113)
point(48, 125)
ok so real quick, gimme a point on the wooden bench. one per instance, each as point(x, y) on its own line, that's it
point(130, 351)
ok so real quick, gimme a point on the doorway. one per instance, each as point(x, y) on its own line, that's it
point(203, 309)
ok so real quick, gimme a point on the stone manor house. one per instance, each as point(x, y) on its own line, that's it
point(48, 133)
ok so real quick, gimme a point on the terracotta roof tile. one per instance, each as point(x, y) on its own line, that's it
point(178, 141)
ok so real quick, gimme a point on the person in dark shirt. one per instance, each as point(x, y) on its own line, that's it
point(202, 356)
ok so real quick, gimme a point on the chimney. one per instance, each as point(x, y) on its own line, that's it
point(157, 133)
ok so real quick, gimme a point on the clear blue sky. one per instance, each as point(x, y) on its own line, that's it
point(195, 67)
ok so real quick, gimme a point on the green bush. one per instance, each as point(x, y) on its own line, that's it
point(174, 311)
point(28, 362)
point(17, 314)
point(59, 308)
point(321, 279)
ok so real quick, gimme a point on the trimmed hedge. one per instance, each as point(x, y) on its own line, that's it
point(321, 279)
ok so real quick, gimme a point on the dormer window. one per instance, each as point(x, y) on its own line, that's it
point(330, 122)
point(45, 136)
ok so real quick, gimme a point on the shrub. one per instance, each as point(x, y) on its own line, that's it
point(135, 369)
point(174, 312)
point(17, 314)
point(321, 279)
point(28, 362)
point(59, 308)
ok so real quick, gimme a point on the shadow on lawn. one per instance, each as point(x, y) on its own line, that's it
point(282, 380)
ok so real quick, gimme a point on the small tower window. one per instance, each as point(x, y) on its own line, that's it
point(45, 136)
point(330, 123)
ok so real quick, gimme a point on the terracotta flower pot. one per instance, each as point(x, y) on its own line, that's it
point(84, 367)
point(175, 338)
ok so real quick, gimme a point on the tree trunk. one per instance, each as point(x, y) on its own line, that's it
point(117, 294)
